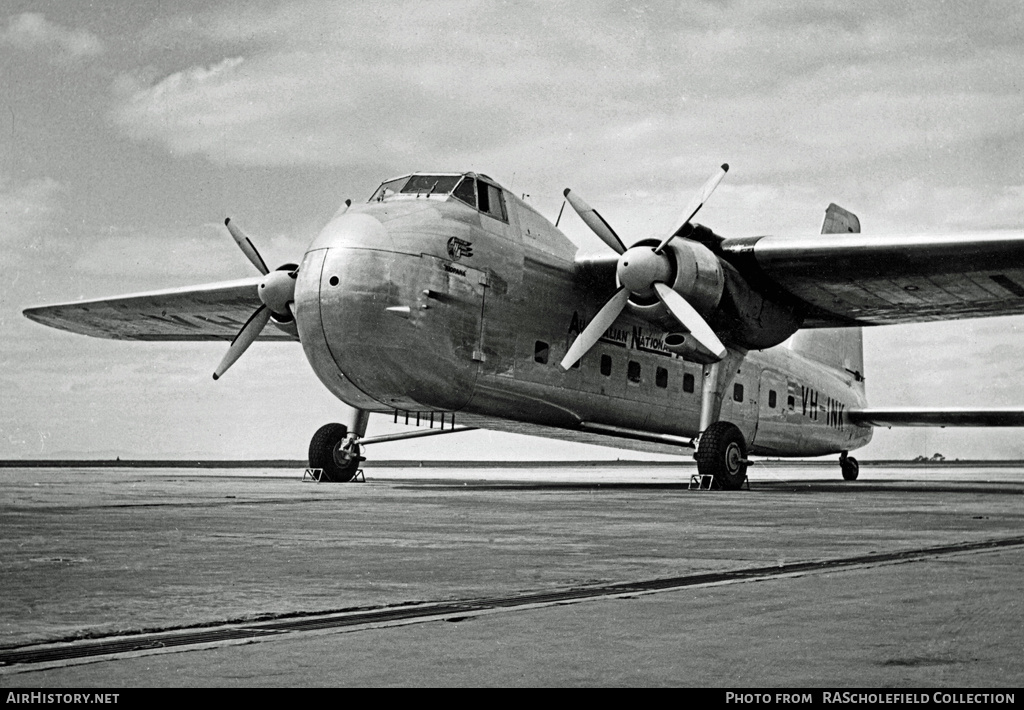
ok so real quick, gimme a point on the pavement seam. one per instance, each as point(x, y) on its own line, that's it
point(344, 621)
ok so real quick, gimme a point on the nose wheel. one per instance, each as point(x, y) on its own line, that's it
point(337, 453)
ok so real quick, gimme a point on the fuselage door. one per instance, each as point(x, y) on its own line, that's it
point(772, 409)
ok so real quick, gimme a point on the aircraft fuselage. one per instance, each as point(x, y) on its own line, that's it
point(427, 304)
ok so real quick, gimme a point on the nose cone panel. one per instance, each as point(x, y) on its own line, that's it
point(353, 230)
point(423, 353)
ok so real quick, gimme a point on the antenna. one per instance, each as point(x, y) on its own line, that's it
point(560, 210)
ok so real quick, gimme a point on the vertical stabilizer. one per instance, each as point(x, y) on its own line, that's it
point(841, 348)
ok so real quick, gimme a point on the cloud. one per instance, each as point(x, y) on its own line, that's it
point(27, 210)
point(153, 257)
point(31, 31)
point(634, 93)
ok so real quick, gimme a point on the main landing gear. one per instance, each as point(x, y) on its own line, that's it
point(722, 454)
point(849, 467)
point(336, 452)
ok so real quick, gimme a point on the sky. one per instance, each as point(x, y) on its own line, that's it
point(129, 131)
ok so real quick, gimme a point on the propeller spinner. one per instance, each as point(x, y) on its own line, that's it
point(276, 290)
point(644, 271)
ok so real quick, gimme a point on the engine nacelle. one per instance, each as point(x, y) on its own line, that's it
point(687, 347)
point(696, 275)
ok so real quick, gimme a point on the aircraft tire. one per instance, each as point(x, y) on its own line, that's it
point(322, 448)
point(850, 468)
point(723, 454)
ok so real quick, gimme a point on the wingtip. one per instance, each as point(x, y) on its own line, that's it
point(216, 377)
point(725, 167)
point(565, 192)
point(226, 220)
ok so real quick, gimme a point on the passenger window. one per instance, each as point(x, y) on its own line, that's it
point(737, 392)
point(791, 402)
point(661, 377)
point(633, 372)
point(540, 352)
point(771, 398)
point(688, 382)
point(466, 191)
point(606, 365)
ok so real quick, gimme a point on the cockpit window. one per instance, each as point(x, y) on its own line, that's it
point(476, 193)
point(430, 185)
point(389, 188)
point(466, 191)
point(417, 186)
point(492, 202)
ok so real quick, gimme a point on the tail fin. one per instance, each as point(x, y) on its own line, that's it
point(841, 348)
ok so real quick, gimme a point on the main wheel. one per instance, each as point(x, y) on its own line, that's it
point(850, 468)
point(723, 454)
point(330, 450)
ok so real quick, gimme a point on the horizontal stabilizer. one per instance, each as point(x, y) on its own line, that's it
point(918, 416)
point(215, 311)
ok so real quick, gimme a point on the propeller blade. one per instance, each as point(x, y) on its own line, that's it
point(246, 245)
point(249, 332)
point(596, 328)
point(696, 203)
point(595, 221)
point(690, 319)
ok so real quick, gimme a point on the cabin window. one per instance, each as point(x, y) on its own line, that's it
point(661, 377)
point(791, 401)
point(771, 398)
point(606, 365)
point(737, 392)
point(466, 191)
point(540, 352)
point(491, 201)
point(688, 382)
point(633, 372)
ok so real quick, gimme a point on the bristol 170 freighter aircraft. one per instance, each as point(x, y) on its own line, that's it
point(445, 297)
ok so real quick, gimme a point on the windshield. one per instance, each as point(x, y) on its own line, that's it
point(389, 188)
point(417, 186)
point(431, 184)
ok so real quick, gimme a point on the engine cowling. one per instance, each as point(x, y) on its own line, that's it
point(691, 270)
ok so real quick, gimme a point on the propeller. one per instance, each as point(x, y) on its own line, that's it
point(644, 271)
point(276, 290)
point(696, 202)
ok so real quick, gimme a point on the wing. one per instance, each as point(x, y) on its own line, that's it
point(207, 312)
point(854, 279)
point(910, 416)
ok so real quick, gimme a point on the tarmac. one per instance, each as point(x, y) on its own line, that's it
point(566, 576)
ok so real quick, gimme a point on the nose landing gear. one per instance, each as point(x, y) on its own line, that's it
point(336, 452)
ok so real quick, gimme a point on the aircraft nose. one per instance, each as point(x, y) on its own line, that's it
point(354, 231)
